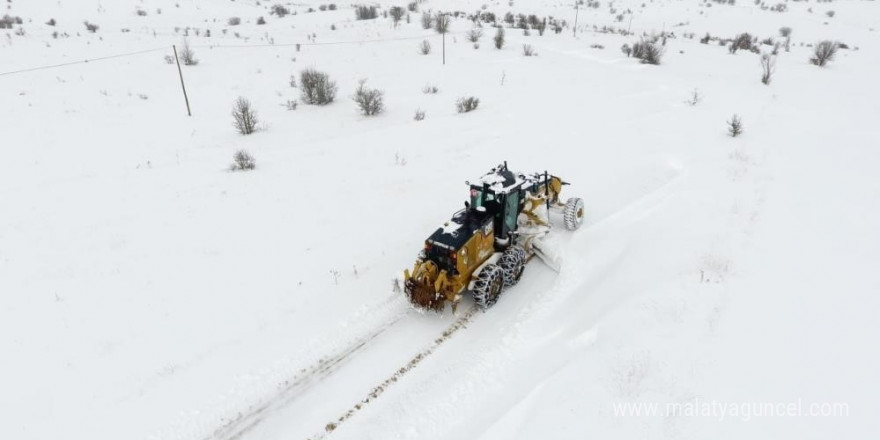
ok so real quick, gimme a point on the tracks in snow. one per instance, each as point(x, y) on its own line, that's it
point(374, 394)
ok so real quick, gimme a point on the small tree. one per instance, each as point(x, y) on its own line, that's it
point(474, 34)
point(824, 52)
point(427, 20)
point(499, 38)
point(244, 116)
point(467, 104)
point(242, 161)
point(441, 22)
point(626, 49)
point(768, 66)
point(425, 47)
point(734, 126)
point(785, 32)
point(187, 54)
point(370, 101)
point(316, 87)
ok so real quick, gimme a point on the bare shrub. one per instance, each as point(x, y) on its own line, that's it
point(626, 49)
point(291, 104)
point(91, 27)
point(366, 12)
point(279, 10)
point(396, 13)
point(187, 55)
point(499, 38)
point(768, 66)
point(244, 117)
point(261, 21)
point(474, 34)
point(467, 104)
point(694, 98)
point(430, 90)
point(648, 52)
point(741, 41)
point(370, 101)
point(528, 50)
point(427, 20)
point(420, 115)
point(317, 88)
point(785, 31)
point(734, 126)
point(233, 21)
point(242, 161)
point(830, 14)
point(51, 22)
point(140, 12)
point(424, 47)
point(441, 22)
point(412, 6)
point(824, 52)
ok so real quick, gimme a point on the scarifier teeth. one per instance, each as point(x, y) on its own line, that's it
point(423, 296)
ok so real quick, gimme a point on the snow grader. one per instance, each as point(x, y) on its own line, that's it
point(484, 248)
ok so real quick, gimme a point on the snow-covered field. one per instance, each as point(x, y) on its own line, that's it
point(147, 292)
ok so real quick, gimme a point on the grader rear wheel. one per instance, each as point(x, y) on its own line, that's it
point(512, 264)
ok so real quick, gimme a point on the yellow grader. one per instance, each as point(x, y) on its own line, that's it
point(484, 247)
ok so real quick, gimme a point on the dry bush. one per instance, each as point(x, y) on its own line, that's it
point(396, 13)
point(420, 115)
point(441, 22)
point(233, 21)
point(279, 10)
point(242, 161)
point(467, 104)
point(474, 34)
point(430, 90)
point(528, 50)
point(316, 87)
point(741, 41)
point(369, 101)
point(91, 27)
point(427, 20)
point(734, 126)
point(824, 52)
point(626, 49)
point(187, 55)
point(424, 47)
point(244, 117)
point(648, 52)
point(366, 12)
point(499, 38)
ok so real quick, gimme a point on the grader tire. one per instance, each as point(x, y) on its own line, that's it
point(512, 264)
point(573, 213)
point(488, 286)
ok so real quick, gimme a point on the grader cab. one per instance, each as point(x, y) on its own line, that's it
point(484, 247)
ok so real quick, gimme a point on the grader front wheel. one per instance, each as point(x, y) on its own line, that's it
point(573, 213)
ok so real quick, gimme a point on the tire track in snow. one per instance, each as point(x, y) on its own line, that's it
point(244, 421)
point(374, 394)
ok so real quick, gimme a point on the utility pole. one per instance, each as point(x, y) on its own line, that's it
point(182, 85)
point(576, 11)
point(444, 48)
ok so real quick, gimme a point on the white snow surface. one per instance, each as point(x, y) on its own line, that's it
point(147, 292)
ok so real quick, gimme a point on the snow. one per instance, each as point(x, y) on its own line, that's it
point(150, 293)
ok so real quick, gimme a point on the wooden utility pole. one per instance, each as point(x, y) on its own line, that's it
point(576, 10)
point(182, 85)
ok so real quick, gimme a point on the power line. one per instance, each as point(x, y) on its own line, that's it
point(213, 46)
point(85, 61)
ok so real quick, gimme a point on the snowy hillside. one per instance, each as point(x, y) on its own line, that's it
point(149, 292)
